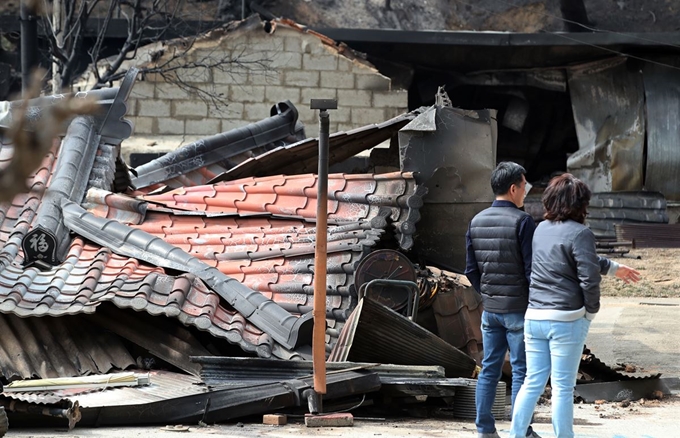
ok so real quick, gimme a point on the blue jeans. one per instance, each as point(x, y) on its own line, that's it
point(500, 332)
point(553, 349)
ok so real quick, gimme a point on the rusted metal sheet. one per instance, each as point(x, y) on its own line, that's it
point(608, 103)
point(374, 333)
point(454, 152)
point(662, 102)
point(458, 312)
point(302, 157)
point(650, 235)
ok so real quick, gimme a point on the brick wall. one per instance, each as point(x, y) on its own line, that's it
point(291, 65)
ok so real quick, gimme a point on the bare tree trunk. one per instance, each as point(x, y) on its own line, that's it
point(57, 26)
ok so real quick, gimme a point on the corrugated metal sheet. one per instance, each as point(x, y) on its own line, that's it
point(374, 333)
point(606, 210)
point(650, 235)
point(662, 102)
point(609, 112)
point(56, 347)
point(241, 371)
point(165, 385)
point(226, 404)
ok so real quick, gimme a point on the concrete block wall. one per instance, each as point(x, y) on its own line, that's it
point(284, 65)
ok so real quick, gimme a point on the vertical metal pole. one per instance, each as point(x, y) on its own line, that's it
point(29, 45)
point(243, 9)
point(320, 253)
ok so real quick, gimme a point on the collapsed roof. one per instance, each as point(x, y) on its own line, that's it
point(232, 258)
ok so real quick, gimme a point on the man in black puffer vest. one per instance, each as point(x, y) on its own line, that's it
point(499, 267)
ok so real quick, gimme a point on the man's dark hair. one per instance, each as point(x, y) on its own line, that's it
point(505, 175)
point(566, 197)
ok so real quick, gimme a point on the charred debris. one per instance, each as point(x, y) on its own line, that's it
point(186, 285)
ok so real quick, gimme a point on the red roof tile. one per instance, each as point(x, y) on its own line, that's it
point(223, 226)
point(352, 197)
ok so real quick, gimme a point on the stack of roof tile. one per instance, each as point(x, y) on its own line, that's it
point(375, 198)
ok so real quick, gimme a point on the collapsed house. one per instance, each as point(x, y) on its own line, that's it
point(105, 270)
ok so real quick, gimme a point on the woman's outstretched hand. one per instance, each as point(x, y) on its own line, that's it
point(628, 274)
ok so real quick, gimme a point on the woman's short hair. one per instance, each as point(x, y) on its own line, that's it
point(566, 197)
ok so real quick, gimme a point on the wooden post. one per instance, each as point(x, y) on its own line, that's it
point(320, 253)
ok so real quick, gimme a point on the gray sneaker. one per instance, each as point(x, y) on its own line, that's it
point(493, 434)
point(533, 434)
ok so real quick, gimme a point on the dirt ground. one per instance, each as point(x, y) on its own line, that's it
point(660, 269)
point(651, 419)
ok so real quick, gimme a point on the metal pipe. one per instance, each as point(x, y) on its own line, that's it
point(320, 251)
point(66, 410)
point(29, 45)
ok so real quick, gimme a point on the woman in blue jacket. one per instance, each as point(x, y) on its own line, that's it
point(564, 296)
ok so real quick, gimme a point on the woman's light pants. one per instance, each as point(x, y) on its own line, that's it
point(553, 350)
